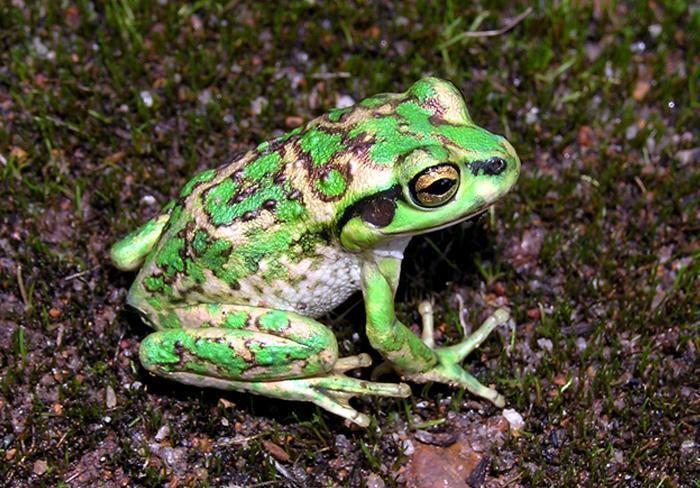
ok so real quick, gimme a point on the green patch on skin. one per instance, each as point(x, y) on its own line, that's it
point(438, 152)
point(199, 241)
point(320, 145)
point(275, 273)
point(275, 321)
point(230, 265)
point(374, 101)
point(262, 166)
point(236, 320)
point(153, 283)
point(168, 207)
point(289, 210)
point(221, 355)
point(268, 245)
point(471, 139)
point(390, 143)
point(169, 320)
point(155, 301)
point(162, 350)
point(310, 369)
point(336, 114)
point(398, 135)
point(195, 271)
point(223, 213)
point(308, 243)
point(417, 116)
point(216, 258)
point(216, 202)
point(169, 258)
point(215, 255)
point(198, 368)
point(423, 90)
point(333, 184)
point(277, 355)
point(202, 177)
point(156, 349)
point(315, 342)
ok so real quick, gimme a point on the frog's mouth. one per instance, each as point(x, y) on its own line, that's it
point(469, 218)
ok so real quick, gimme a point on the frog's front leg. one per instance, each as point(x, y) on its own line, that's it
point(269, 352)
point(409, 355)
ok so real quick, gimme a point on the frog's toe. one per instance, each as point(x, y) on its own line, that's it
point(339, 405)
point(334, 393)
point(352, 362)
point(353, 386)
point(454, 375)
point(458, 352)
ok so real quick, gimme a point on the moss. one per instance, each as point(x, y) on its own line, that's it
point(103, 107)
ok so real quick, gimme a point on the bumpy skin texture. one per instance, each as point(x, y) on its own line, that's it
point(234, 271)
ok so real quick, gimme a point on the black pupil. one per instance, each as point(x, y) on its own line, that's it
point(439, 187)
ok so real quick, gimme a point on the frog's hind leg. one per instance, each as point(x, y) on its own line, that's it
point(270, 352)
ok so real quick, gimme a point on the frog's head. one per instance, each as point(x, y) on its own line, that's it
point(441, 168)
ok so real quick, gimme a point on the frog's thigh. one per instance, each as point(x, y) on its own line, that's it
point(239, 343)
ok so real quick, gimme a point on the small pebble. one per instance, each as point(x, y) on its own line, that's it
point(163, 433)
point(146, 98)
point(258, 105)
point(514, 419)
point(148, 200)
point(687, 445)
point(110, 397)
point(374, 481)
point(407, 447)
point(40, 467)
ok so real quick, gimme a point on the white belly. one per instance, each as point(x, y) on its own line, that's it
point(314, 286)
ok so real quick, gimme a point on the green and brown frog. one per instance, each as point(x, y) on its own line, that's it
point(235, 271)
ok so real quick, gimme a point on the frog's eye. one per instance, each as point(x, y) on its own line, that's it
point(434, 186)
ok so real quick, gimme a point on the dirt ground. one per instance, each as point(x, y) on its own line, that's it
point(106, 109)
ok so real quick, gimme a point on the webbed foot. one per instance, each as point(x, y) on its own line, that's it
point(449, 368)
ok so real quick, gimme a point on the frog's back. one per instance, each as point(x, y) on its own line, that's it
point(251, 232)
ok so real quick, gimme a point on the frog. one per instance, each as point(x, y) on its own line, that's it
point(235, 272)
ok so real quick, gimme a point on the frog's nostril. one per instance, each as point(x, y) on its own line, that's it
point(494, 166)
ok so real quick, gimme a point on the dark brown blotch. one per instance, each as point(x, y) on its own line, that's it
point(378, 211)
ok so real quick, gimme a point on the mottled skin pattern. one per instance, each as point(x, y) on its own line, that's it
point(234, 271)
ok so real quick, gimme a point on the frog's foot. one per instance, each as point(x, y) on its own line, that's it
point(332, 392)
point(449, 369)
